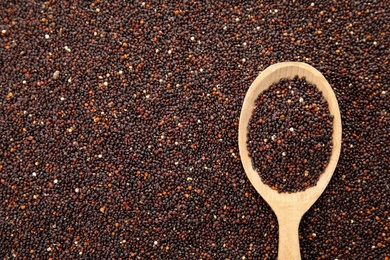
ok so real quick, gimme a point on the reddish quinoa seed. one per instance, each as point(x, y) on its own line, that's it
point(130, 151)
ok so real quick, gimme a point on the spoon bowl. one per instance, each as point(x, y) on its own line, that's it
point(289, 207)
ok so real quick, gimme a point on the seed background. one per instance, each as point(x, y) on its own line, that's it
point(131, 150)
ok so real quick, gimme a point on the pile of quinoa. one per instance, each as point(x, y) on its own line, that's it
point(290, 135)
point(119, 123)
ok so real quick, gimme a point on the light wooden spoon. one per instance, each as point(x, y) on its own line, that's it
point(289, 207)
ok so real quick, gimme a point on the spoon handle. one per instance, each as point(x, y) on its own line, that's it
point(288, 237)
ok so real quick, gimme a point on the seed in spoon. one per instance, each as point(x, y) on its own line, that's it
point(290, 135)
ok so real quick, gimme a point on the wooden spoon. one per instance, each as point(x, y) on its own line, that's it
point(289, 207)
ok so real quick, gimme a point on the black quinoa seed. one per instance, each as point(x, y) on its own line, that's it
point(290, 135)
point(130, 151)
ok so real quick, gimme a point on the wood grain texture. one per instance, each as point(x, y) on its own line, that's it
point(289, 207)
